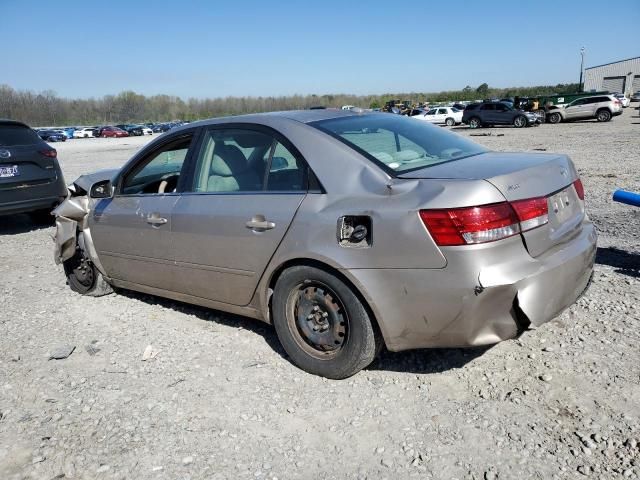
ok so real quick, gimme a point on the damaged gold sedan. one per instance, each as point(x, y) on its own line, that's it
point(348, 232)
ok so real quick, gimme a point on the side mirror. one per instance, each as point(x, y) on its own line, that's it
point(102, 189)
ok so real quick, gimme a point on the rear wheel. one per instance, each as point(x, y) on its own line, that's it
point(555, 117)
point(520, 121)
point(475, 123)
point(603, 115)
point(450, 122)
point(322, 324)
point(83, 277)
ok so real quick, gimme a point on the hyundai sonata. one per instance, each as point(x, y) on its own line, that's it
point(347, 231)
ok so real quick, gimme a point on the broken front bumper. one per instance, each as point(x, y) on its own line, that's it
point(485, 294)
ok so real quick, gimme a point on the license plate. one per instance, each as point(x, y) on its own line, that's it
point(7, 171)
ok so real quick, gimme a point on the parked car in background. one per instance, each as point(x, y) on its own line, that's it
point(624, 101)
point(68, 132)
point(84, 132)
point(429, 245)
point(146, 130)
point(112, 132)
point(132, 130)
point(30, 175)
point(635, 97)
point(497, 113)
point(442, 116)
point(601, 107)
point(49, 135)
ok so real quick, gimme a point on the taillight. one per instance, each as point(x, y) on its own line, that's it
point(49, 152)
point(579, 188)
point(471, 225)
point(532, 212)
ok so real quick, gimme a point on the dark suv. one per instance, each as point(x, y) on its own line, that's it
point(30, 175)
point(497, 113)
point(133, 130)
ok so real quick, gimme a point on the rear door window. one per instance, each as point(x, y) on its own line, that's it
point(14, 135)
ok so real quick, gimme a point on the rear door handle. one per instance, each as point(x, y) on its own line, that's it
point(259, 224)
point(155, 220)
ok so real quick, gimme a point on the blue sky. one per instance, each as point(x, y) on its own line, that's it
point(219, 48)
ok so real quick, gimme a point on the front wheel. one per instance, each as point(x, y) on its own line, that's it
point(322, 324)
point(83, 277)
point(520, 121)
point(555, 118)
point(603, 116)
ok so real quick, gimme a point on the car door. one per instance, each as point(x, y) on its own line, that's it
point(576, 109)
point(246, 187)
point(441, 115)
point(488, 113)
point(132, 230)
point(502, 114)
point(430, 115)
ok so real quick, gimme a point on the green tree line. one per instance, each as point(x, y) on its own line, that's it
point(46, 108)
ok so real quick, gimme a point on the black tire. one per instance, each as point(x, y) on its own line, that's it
point(475, 123)
point(449, 122)
point(520, 121)
point(603, 115)
point(555, 117)
point(322, 324)
point(84, 278)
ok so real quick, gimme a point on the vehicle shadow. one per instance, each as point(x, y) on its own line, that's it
point(265, 330)
point(426, 360)
point(626, 263)
point(22, 223)
point(423, 361)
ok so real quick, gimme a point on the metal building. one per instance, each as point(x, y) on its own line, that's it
point(622, 76)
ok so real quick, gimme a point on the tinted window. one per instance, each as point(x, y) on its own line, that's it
point(399, 143)
point(431, 112)
point(488, 106)
point(158, 172)
point(442, 111)
point(473, 106)
point(12, 135)
point(501, 108)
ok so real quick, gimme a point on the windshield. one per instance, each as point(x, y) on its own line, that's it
point(398, 143)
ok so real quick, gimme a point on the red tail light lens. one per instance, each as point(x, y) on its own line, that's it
point(532, 212)
point(579, 189)
point(49, 152)
point(464, 226)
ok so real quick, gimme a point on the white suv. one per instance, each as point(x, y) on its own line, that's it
point(600, 107)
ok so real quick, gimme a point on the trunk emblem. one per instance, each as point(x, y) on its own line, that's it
point(5, 154)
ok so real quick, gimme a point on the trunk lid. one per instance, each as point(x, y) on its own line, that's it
point(520, 176)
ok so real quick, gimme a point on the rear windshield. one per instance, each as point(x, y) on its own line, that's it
point(12, 135)
point(398, 143)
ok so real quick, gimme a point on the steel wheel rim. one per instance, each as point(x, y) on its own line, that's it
point(602, 116)
point(520, 122)
point(317, 319)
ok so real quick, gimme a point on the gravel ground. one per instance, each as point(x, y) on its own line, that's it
point(216, 397)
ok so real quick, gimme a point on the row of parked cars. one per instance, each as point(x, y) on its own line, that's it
point(104, 131)
point(503, 112)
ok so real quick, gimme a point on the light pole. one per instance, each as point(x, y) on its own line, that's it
point(581, 66)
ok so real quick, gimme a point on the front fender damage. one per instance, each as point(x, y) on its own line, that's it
point(70, 216)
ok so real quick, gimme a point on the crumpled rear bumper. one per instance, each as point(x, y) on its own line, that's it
point(485, 294)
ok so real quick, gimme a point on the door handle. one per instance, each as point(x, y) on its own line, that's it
point(259, 224)
point(155, 220)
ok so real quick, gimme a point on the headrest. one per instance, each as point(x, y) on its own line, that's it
point(252, 139)
point(227, 160)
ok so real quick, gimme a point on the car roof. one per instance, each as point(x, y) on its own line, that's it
point(6, 121)
point(302, 116)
